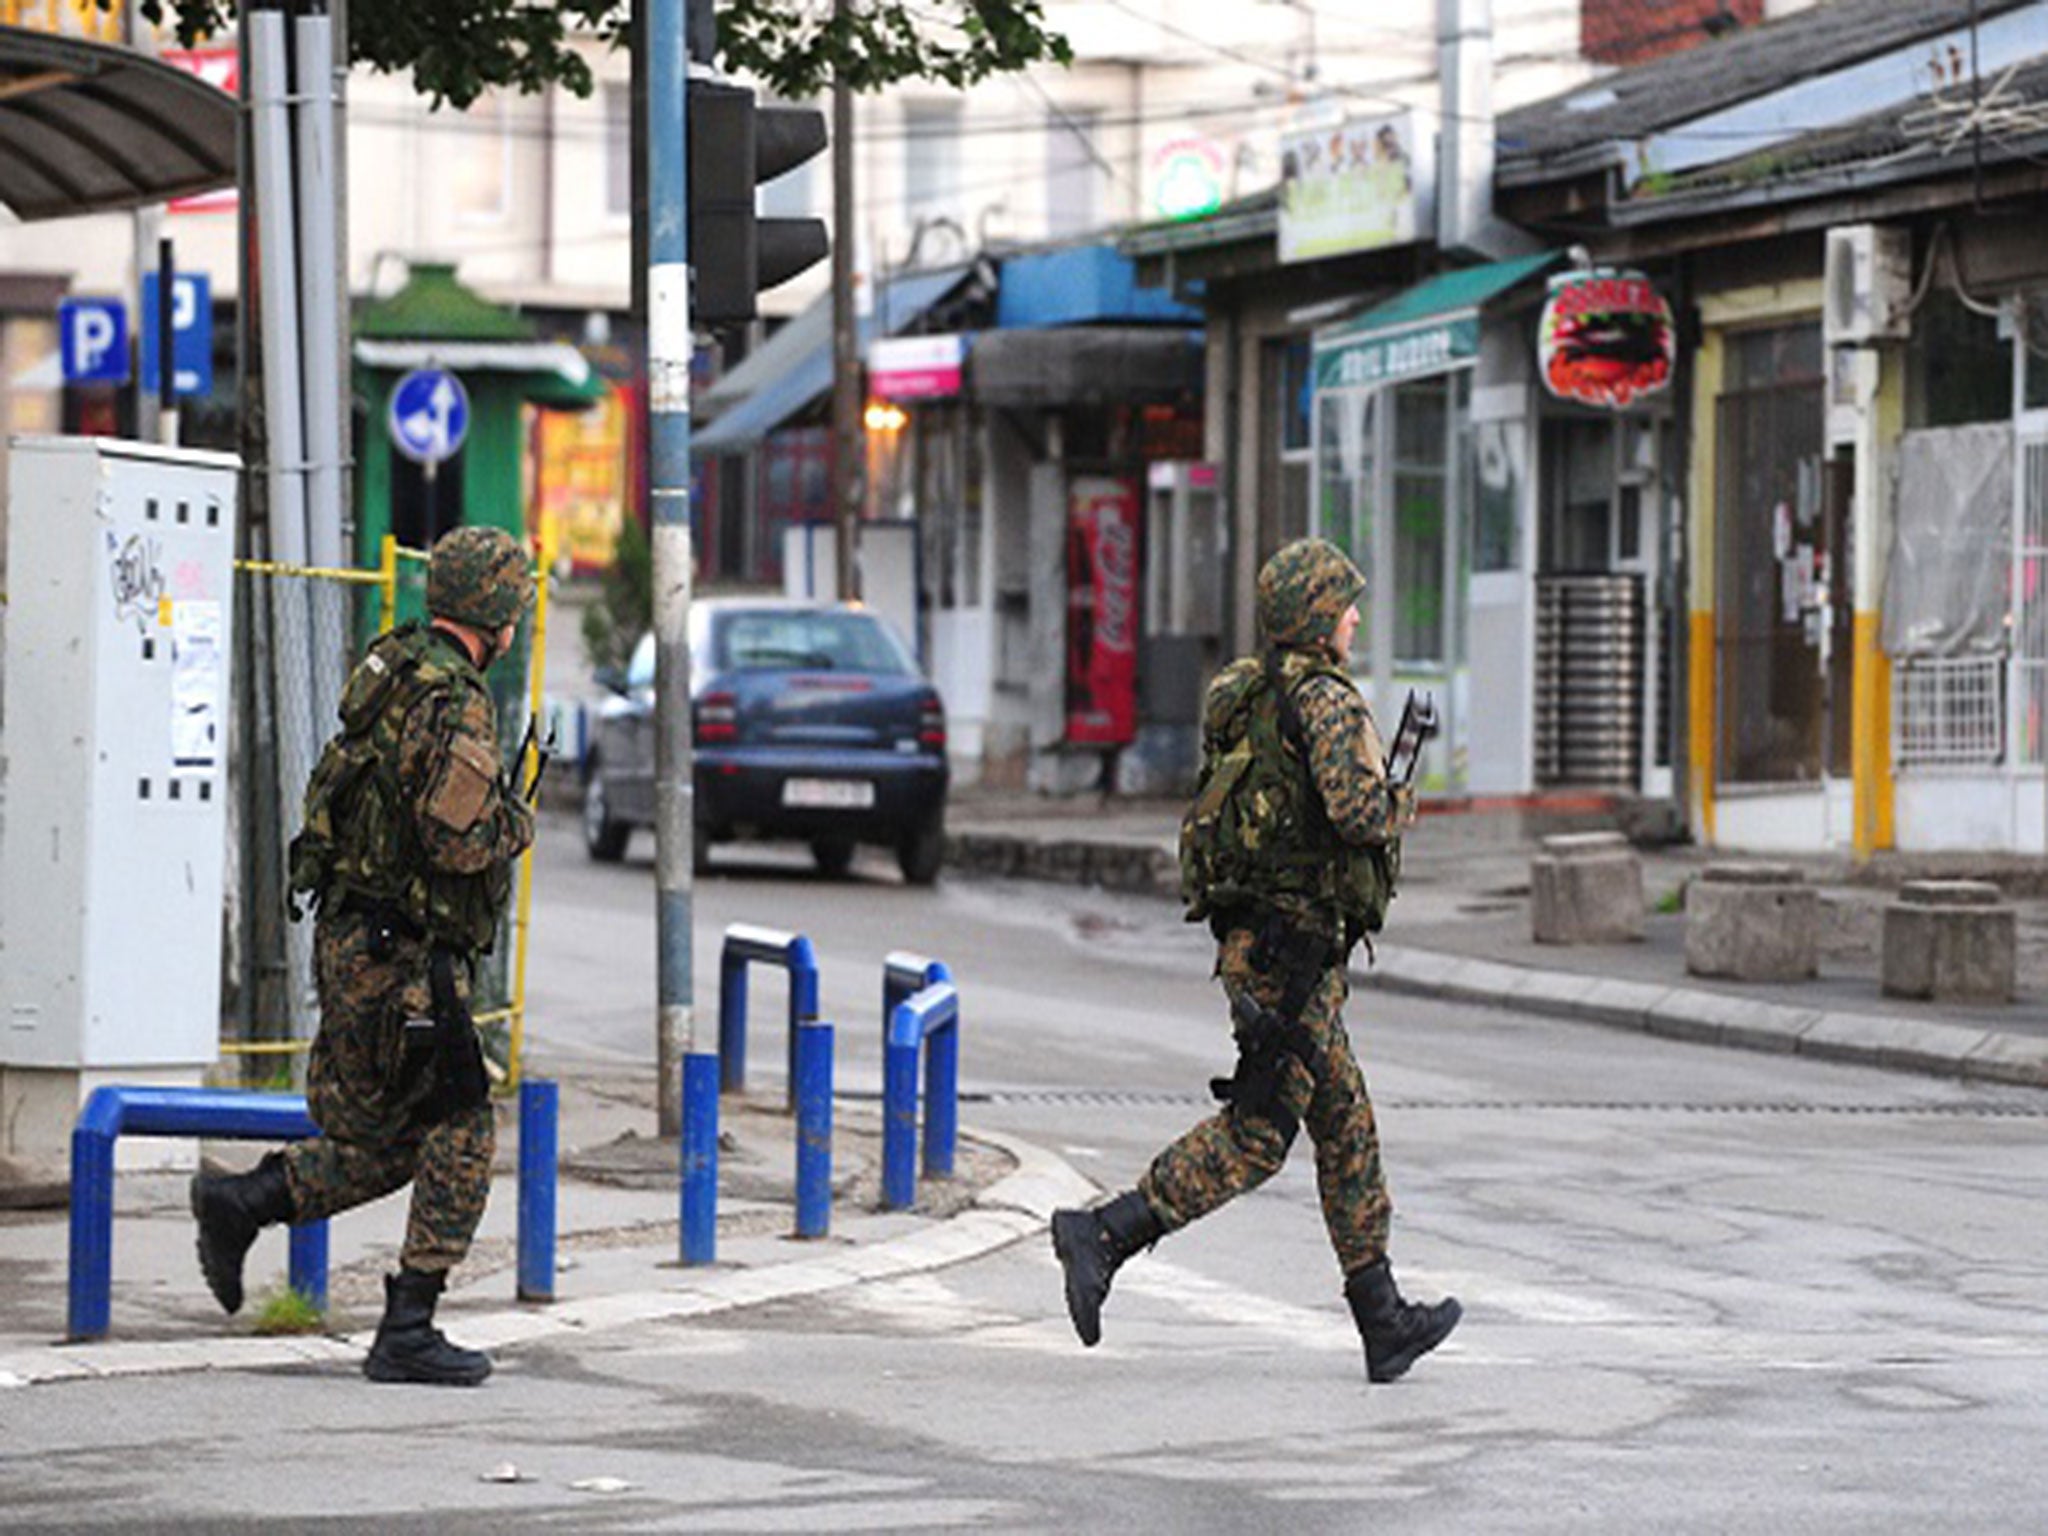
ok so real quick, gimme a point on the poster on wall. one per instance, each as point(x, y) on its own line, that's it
point(1605, 338)
point(1102, 610)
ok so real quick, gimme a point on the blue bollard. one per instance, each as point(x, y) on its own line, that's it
point(539, 1103)
point(920, 1021)
point(814, 1130)
point(744, 944)
point(92, 1234)
point(942, 1099)
point(308, 1263)
point(700, 1158)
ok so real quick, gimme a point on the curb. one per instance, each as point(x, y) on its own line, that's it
point(1715, 1018)
point(1014, 1207)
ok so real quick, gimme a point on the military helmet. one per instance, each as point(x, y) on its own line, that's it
point(1304, 590)
point(480, 577)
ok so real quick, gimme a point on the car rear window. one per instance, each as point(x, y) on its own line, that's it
point(800, 641)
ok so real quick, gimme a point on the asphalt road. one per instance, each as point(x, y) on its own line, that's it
point(1705, 1291)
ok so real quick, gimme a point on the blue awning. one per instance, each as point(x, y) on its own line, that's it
point(794, 366)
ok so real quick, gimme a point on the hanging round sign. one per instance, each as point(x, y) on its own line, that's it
point(1606, 338)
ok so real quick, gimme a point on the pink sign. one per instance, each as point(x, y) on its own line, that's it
point(916, 367)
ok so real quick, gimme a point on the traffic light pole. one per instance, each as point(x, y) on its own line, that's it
point(665, 58)
point(849, 456)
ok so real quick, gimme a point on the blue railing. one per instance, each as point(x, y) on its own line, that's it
point(746, 945)
point(811, 1049)
point(113, 1112)
point(926, 1021)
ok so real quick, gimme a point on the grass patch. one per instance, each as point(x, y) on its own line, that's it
point(1672, 900)
point(284, 1310)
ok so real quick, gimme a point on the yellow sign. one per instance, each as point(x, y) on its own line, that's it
point(71, 18)
point(579, 480)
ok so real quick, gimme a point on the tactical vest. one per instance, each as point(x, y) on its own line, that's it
point(359, 844)
point(1256, 837)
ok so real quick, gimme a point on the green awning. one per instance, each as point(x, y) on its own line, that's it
point(1448, 293)
point(1430, 328)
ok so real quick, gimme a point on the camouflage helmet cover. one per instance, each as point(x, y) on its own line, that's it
point(1304, 590)
point(480, 577)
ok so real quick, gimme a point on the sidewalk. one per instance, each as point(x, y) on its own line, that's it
point(617, 1242)
point(1460, 931)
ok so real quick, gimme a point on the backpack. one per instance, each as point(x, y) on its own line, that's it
point(1256, 835)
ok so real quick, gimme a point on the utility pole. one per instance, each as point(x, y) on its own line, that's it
point(665, 59)
point(849, 459)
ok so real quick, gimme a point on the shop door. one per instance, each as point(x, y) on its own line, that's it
point(1781, 676)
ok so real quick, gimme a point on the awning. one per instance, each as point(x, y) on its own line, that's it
point(1424, 330)
point(88, 127)
point(1086, 365)
point(794, 366)
point(558, 375)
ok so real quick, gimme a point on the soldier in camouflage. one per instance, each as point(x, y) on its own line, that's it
point(410, 831)
point(1285, 924)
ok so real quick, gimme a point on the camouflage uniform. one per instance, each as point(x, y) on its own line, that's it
point(1300, 877)
point(1300, 600)
point(372, 961)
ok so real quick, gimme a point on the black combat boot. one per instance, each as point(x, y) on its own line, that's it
point(232, 1209)
point(1091, 1244)
point(409, 1347)
point(1397, 1333)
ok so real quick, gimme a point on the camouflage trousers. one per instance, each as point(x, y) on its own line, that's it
point(1232, 1152)
point(358, 1093)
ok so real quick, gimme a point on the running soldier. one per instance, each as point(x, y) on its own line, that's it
point(1289, 851)
point(409, 834)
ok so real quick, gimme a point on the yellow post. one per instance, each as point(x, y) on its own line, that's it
point(523, 920)
point(387, 584)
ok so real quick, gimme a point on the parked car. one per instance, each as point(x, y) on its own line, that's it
point(810, 721)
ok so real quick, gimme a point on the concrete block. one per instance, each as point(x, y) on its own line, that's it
point(1752, 922)
point(1586, 888)
point(1954, 941)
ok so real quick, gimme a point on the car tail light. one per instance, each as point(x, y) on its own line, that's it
point(931, 723)
point(718, 718)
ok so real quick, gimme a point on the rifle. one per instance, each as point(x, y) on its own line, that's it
point(543, 751)
point(1418, 725)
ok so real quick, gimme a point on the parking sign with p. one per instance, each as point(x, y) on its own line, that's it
point(94, 336)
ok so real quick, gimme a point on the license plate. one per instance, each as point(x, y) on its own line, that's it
point(829, 794)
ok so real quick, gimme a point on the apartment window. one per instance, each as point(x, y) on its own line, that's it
point(479, 159)
point(1071, 172)
point(931, 157)
point(618, 150)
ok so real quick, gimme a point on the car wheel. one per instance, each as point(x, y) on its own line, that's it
point(604, 839)
point(834, 855)
point(922, 851)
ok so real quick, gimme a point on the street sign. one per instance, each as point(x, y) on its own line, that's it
point(429, 415)
point(94, 335)
point(191, 332)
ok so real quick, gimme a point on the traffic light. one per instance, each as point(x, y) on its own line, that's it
point(734, 147)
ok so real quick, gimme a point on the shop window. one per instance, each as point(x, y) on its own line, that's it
point(1958, 371)
point(1345, 478)
point(1421, 492)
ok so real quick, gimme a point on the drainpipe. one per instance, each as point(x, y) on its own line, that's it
point(1465, 148)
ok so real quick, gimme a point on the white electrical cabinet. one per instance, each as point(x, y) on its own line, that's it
point(120, 630)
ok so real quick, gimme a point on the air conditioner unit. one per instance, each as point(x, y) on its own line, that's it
point(1868, 279)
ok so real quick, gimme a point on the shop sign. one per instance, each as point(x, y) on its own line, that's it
point(1606, 338)
point(1187, 178)
point(1381, 357)
point(1102, 611)
point(1355, 186)
point(915, 367)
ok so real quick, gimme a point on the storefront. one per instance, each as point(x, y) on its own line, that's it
point(1423, 408)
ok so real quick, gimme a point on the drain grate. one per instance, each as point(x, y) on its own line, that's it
point(1973, 1109)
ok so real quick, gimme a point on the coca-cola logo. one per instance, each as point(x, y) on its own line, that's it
point(1116, 564)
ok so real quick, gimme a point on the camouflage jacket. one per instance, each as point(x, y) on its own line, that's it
point(1316, 842)
point(407, 807)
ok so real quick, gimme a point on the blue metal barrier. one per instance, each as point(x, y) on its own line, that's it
point(113, 1112)
point(539, 1103)
point(744, 944)
point(928, 1019)
point(700, 1158)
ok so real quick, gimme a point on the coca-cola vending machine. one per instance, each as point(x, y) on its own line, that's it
point(1103, 514)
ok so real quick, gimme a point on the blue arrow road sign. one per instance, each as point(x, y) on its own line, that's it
point(94, 336)
point(191, 332)
point(429, 415)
